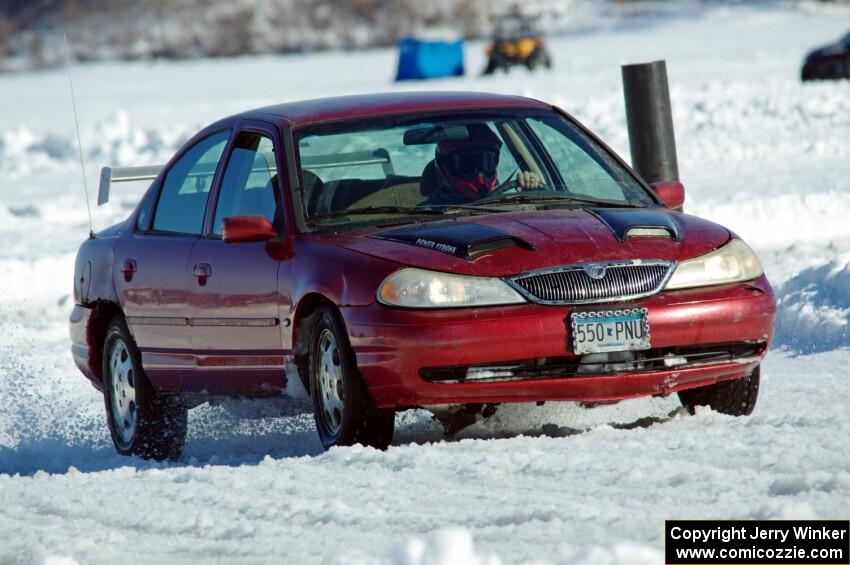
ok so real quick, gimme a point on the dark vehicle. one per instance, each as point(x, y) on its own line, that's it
point(516, 41)
point(828, 62)
point(450, 251)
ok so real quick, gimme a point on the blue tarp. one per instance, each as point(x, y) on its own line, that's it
point(418, 59)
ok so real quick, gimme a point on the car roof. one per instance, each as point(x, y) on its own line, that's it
point(320, 110)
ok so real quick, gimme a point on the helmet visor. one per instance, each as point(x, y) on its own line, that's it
point(472, 163)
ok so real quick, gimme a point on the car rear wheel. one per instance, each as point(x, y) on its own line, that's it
point(141, 422)
point(736, 398)
point(343, 410)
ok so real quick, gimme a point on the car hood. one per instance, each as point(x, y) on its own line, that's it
point(514, 242)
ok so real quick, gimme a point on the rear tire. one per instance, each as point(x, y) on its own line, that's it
point(735, 398)
point(343, 410)
point(141, 422)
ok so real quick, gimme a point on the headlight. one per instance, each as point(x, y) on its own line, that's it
point(734, 262)
point(418, 288)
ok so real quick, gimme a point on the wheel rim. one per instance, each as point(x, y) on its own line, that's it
point(122, 381)
point(331, 390)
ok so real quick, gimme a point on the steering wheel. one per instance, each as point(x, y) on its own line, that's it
point(512, 184)
point(498, 191)
point(503, 188)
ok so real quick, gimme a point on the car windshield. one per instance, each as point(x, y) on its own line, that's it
point(355, 172)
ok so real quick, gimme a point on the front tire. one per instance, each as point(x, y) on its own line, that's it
point(140, 421)
point(735, 398)
point(343, 410)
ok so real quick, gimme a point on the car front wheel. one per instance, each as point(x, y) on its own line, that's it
point(343, 410)
point(736, 398)
point(141, 422)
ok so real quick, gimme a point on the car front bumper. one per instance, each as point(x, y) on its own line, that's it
point(395, 347)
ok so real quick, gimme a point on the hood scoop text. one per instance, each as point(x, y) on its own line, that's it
point(627, 222)
point(461, 239)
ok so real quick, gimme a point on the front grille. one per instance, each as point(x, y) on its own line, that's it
point(597, 282)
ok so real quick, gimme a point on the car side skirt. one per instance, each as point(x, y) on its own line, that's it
point(256, 373)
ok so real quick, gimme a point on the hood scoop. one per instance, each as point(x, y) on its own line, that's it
point(627, 222)
point(461, 239)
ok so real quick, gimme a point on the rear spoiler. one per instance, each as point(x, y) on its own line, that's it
point(108, 175)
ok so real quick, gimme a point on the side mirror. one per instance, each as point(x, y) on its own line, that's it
point(672, 194)
point(244, 229)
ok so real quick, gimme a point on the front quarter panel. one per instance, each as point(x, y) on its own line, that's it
point(321, 271)
point(345, 277)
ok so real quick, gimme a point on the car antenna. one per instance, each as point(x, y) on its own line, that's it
point(79, 139)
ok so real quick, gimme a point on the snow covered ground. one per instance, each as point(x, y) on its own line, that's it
point(759, 152)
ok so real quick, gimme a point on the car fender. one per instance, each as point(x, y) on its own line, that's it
point(93, 280)
point(323, 272)
point(343, 276)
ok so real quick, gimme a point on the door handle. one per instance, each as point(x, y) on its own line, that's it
point(128, 267)
point(202, 272)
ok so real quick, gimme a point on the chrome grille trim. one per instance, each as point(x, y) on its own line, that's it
point(572, 284)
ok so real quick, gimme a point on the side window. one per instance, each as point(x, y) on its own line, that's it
point(183, 197)
point(249, 186)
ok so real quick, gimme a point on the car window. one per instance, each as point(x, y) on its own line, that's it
point(582, 172)
point(183, 197)
point(249, 186)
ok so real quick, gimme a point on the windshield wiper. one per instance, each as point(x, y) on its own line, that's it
point(378, 210)
point(602, 203)
point(535, 198)
point(470, 207)
point(431, 209)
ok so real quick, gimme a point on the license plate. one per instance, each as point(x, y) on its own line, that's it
point(600, 331)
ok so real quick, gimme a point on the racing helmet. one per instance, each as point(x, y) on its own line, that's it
point(469, 165)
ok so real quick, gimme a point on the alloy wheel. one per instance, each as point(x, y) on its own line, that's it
point(122, 382)
point(331, 386)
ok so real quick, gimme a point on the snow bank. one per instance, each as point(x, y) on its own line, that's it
point(114, 141)
point(814, 308)
point(778, 221)
point(735, 121)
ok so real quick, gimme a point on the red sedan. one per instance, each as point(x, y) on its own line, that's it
point(451, 251)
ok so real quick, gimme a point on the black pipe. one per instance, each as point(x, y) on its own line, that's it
point(650, 121)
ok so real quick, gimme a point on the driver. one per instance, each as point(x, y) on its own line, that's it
point(466, 169)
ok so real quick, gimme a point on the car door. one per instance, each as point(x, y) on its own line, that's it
point(150, 265)
point(235, 312)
